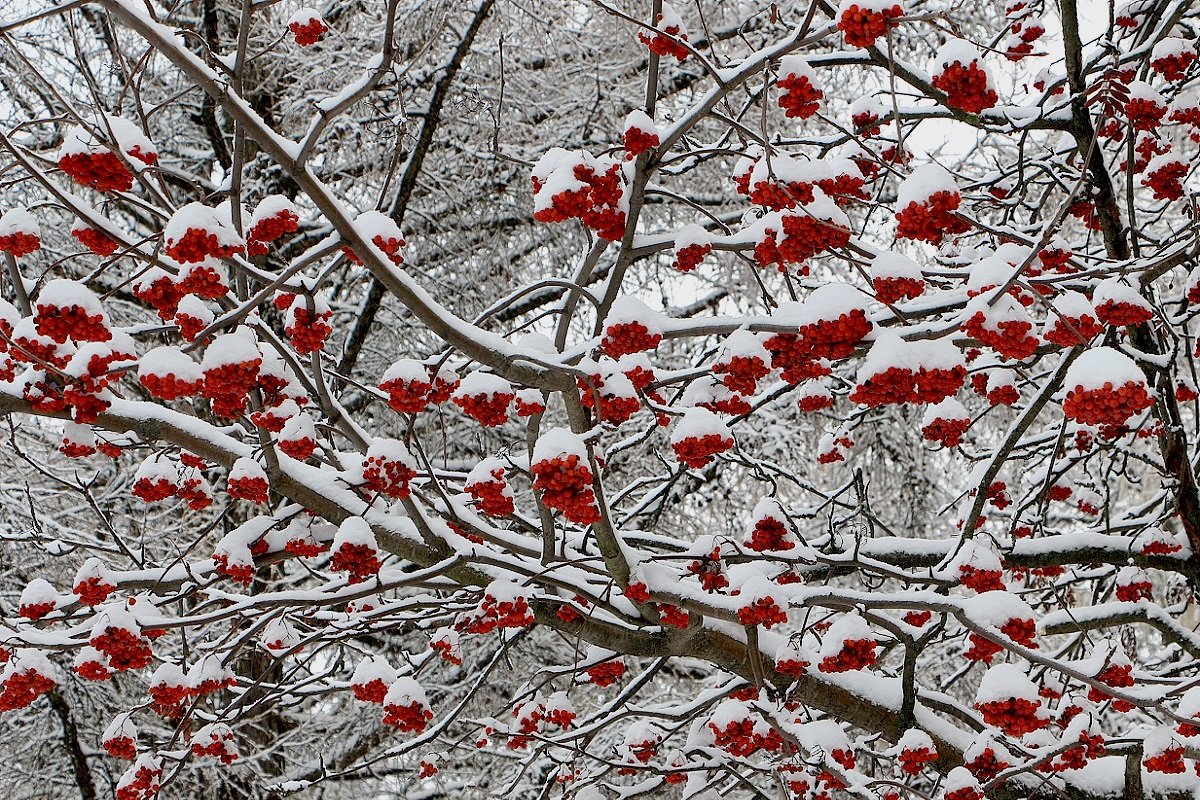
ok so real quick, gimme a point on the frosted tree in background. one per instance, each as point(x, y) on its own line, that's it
point(599, 400)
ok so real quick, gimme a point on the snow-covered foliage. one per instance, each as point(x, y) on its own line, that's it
point(597, 400)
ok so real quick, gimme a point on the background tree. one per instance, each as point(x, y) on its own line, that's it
point(599, 400)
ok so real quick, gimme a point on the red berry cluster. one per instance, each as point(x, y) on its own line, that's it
point(272, 418)
point(219, 746)
point(742, 738)
point(21, 688)
point(964, 793)
point(981, 649)
point(1004, 394)
point(637, 591)
point(527, 404)
point(161, 294)
point(360, 561)
point(606, 673)
point(143, 784)
point(674, 616)
point(252, 488)
point(1022, 631)
point(1187, 114)
point(862, 26)
point(732, 404)
point(565, 484)
point(794, 357)
point(804, 236)
point(866, 125)
point(489, 410)
point(203, 281)
point(304, 546)
point(932, 220)
point(198, 244)
point(835, 338)
point(1069, 331)
point(1012, 338)
point(987, 765)
point(815, 401)
point(1015, 716)
point(775, 196)
point(308, 33)
point(1107, 405)
point(1169, 761)
point(893, 290)
point(1133, 592)
point(947, 432)
point(1166, 182)
point(764, 611)
point(638, 141)
point(1157, 546)
point(1085, 212)
point(835, 453)
point(93, 591)
point(1119, 314)
point(169, 387)
point(447, 649)
point(373, 691)
point(792, 667)
point(741, 374)
point(1118, 676)
point(189, 326)
point(387, 476)
point(407, 397)
point(663, 45)
point(899, 385)
point(769, 533)
point(708, 570)
point(491, 497)
point(913, 759)
point(966, 87)
point(75, 449)
point(623, 338)
point(35, 611)
point(855, 654)
point(596, 204)
point(269, 229)
point(697, 451)
point(169, 695)
point(845, 187)
point(1078, 755)
point(981, 580)
point(120, 746)
point(689, 257)
point(444, 384)
point(1021, 39)
point(124, 649)
point(408, 717)
point(1148, 146)
point(495, 613)
point(644, 750)
point(237, 570)
point(95, 241)
point(151, 490)
point(101, 171)
point(1174, 67)
point(800, 98)
point(20, 243)
point(390, 246)
point(1144, 113)
point(228, 387)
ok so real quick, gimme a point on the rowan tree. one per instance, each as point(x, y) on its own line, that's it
point(599, 399)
